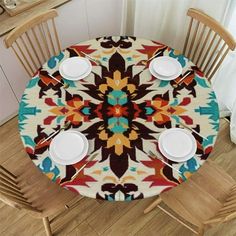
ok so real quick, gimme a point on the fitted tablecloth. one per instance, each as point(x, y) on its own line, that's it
point(122, 109)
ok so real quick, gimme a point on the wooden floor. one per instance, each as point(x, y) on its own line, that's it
point(91, 218)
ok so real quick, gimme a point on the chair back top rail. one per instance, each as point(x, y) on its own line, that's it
point(214, 25)
point(35, 41)
point(31, 23)
point(207, 42)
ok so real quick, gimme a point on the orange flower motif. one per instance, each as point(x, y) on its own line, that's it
point(117, 111)
point(164, 110)
point(70, 110)
point(117, 83)
point(119, 141)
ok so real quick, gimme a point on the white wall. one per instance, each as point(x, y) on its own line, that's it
point(8, 102)
point(80, 20)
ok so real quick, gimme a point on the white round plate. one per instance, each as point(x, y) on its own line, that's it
point(68, 147)
point(177, 144)
point(75, 68)
point(165, 68)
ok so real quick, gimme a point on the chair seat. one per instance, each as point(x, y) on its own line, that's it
point(46, 196)
point(200, 197)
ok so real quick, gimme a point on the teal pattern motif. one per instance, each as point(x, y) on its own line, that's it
point(211, 110)
point(49, 169)
point(53, 61)
point(25, 110)
point(181, 58)
point(190, 167)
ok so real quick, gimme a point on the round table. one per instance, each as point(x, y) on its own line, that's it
point(122, 109)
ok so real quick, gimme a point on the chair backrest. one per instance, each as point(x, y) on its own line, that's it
point(207, 42)
point(35, 41)
point(227, 211)
point(11, 193)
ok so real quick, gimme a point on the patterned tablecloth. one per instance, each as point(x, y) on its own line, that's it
point(122, 110)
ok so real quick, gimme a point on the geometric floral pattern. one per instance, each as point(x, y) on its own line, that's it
point(122, 109)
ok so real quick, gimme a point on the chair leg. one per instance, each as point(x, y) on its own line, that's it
point(152, 205)
point(47, 226)
point(201, 231)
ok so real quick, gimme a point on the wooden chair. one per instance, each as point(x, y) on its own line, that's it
point(207, 42)
point(30, 190)
point(35, 41)
point(207, 198)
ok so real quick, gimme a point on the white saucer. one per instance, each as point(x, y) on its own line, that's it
point(177, 144)
point(75, 68)
point(68, 147)
point(165, 68)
